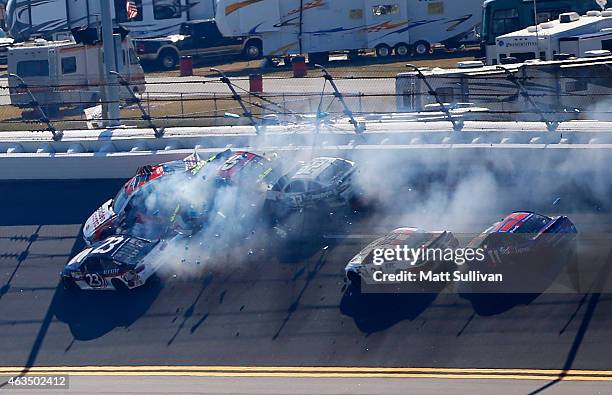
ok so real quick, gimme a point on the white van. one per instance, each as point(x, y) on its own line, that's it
point(65, 73)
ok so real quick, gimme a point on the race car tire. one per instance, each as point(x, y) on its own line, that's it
point(69, 284)
point(119, 285)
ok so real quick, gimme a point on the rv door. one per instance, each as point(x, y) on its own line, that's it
point(385, 20)
point(53, 72)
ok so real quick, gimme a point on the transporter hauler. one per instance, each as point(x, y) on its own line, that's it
point(431, 276)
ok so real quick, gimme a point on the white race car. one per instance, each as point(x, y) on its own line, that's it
point(321, 182)
point(117, 262)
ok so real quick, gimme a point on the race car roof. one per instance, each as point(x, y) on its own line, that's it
point(128, 250)
point(522, 222)
point(322, 169)
point(148, 173)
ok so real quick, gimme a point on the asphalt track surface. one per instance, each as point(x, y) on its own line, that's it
point(284, 309)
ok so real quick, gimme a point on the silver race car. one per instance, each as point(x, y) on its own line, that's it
point(320, 183)
point(117, 262)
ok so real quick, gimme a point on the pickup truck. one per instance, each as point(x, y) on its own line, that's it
point(199, 39)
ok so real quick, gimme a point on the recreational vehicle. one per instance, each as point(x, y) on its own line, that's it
point(153, 18)
point(571, 34)
point(290, 27)
point(519, 91)
point(506, 16)
point(66, 73)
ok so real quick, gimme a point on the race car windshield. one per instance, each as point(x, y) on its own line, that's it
point(534, 224)
point(120, 200)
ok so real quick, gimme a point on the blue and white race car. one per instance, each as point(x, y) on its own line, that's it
point(117, 262)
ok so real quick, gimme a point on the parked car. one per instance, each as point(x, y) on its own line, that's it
point(198, 39)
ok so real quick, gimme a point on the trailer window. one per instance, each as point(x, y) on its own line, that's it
point(33, 68)
point(435, 8)
point(576, 86)
point(387, 9)
point(69, 65)
point(166, 9)
point(505, 21)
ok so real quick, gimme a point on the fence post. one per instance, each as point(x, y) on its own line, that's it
point(182, 109)
point(216, 114)
point(360, 102)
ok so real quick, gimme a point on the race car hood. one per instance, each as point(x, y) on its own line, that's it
point(410, 237)
point(99, 217)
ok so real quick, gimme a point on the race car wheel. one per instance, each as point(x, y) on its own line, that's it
point(69, 284)
point(119, 285)
point(383, 51)
point(422, 48)
point(168, 59)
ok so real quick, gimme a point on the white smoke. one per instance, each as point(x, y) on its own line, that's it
point(408, 189)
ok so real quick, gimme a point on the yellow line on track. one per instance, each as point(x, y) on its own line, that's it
point(313, 371)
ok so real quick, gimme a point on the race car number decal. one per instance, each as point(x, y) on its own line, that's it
point(94, 280)
point(311, 168)
point(231, 162)
point(108, 245)
point(81, 255)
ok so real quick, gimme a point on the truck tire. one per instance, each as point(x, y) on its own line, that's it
point(402, 50)
point(422, 48)
point(252, 50)
point(383, 51)
point(168, 59)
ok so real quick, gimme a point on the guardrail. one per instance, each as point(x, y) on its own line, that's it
point(384, 132)
point(123, 165)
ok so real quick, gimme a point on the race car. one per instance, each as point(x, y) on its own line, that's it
point(359, 272)
point(116, 263)
point(528, 249)
point(106, 219)
point(321, 182)
point(128, 208)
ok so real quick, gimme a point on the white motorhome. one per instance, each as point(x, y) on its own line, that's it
point(563, 87)
point(155, 18)
point(571, 35)
point(290, 27)
point(65, 73)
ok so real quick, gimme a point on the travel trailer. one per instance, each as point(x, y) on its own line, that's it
point(154, 18)
point(571, 35)
point(66, 73)
point(291, 27)
point(512, 92)
point(506, 16)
